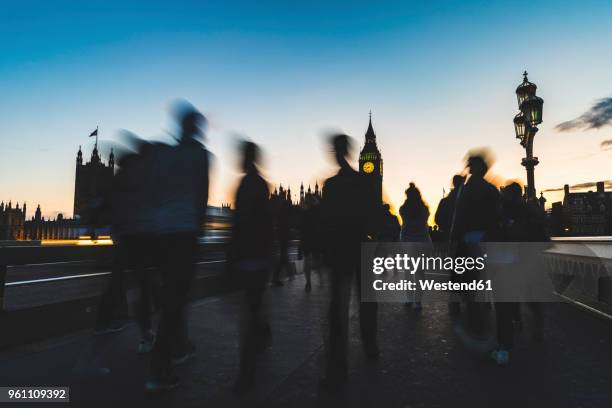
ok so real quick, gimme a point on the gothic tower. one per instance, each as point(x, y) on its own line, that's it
point(371, 163)
point(92, 185)
point(302, 196)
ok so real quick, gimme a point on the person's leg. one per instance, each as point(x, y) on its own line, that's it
point(140, 265)
point(283, 260)
point(93, 358)
point(178, 269)
point(337, 364)
point(254, 328)
point(368, 312)
point(264, 332)
point(250, 324)
point(409, 294)
point(276, 275)
point(308, 269)
point(144, 308)
point(517, 318)
point(182, 347)
point(144, 311)
point(247, 329)
point(454, 297)
point(160, 360)
point(475, 320)
point(112, 295)
point(504, 312)
point(537, 312)
point(419, 277)
point(137, 261)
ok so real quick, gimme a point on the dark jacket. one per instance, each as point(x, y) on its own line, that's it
point(252, 224)
point(346, 214)
point(478, 210)
point(445, 211)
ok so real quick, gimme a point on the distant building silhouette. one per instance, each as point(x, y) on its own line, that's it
point(37, 228)
point(371, 162)
point(583, 213)
point(542, 201)
point(305, 195)
point(11, 221)
point(281, 194)
point(92, 183)
point(15, 227)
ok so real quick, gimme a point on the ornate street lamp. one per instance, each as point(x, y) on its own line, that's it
point(525, 90)
point(520, 126)
point(532, 109)
point(525, 127)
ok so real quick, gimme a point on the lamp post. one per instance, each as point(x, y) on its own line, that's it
point(525, 127)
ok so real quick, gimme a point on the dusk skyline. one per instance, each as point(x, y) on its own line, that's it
point(439, 80)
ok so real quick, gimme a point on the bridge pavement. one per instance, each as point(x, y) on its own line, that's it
point(422, 364)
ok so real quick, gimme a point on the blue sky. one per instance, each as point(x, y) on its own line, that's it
point(439, 78)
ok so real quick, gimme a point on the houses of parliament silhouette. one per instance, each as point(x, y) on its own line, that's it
point(93, 182)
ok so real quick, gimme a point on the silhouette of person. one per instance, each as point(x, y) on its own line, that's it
point(478, 209)
point(283, 223)
point(131, 242)
point(415, 213)
point(477, 219)
point(445, 219)
point(446, 208)
point(390, 231)
point(310, 235)
point(251, 247)
point(520, 222)
point(179, 188)
point(346, 218)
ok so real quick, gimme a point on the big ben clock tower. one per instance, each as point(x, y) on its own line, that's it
point(371, 163)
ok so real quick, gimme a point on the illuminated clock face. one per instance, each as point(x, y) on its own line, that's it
point(368, 167)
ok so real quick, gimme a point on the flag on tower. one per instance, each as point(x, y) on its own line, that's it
point(94, 133)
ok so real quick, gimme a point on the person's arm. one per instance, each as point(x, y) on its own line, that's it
point(441, 213)
point(203, 196)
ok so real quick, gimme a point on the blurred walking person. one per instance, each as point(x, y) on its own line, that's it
point(415, 213)
point(310, 236)
point(390, 227)
point(132, 240)
point(477, 219)
point(445, 219)
point(181, 183)
point(521, 222)
point(347, 216)
point(446, 208)
point(283, 225)
point(251, 249)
